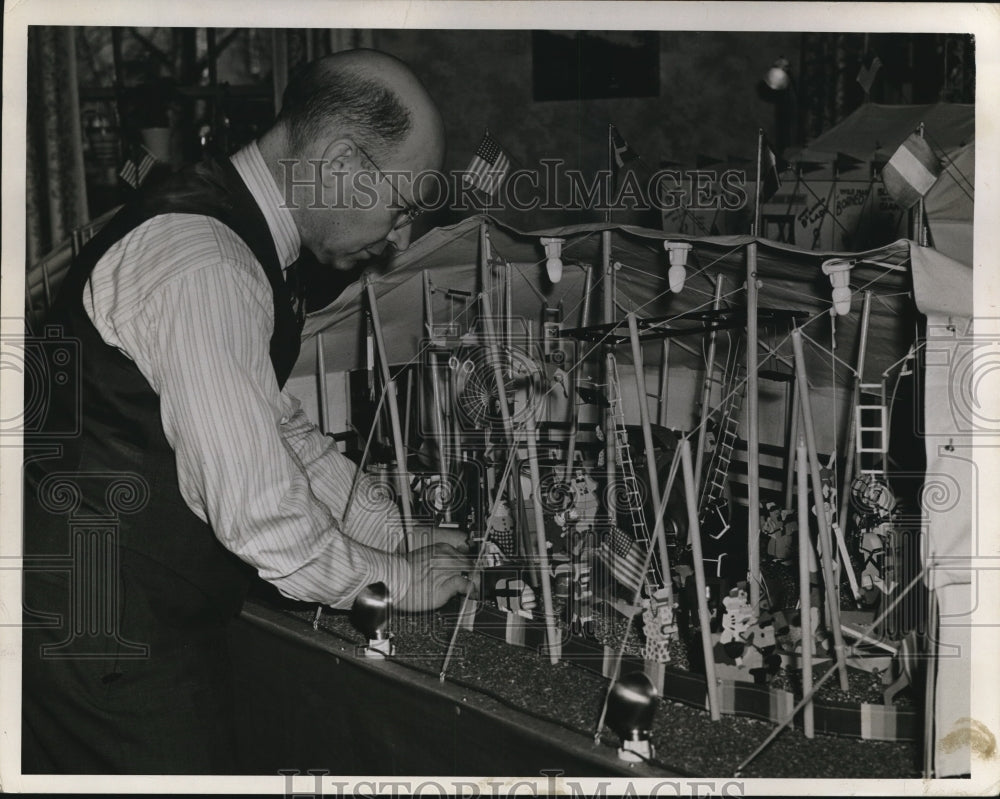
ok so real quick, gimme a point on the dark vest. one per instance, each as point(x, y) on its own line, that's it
point(111, 424)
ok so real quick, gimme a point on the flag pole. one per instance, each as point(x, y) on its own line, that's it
point(612, 174)
point(757, 188)
point(920, 233)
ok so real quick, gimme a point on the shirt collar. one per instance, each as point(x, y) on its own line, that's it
point(250, 165)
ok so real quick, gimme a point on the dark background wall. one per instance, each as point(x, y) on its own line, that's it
point(708, 103)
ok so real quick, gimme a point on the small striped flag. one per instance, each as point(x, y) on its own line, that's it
point(624, 558)
point(488, 166)
point(134, 174)
point(770, 172)
point(866, 75)
point(623, 152)
point(911, 171)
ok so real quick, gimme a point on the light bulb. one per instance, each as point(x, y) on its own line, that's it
point(678, 252)
point(370, 616)
point(777, 77)
point(839, 272)
point(553, 259)
point(631, 707)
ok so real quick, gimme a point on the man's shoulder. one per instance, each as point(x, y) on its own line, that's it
point(165, 249)
point(167, 246)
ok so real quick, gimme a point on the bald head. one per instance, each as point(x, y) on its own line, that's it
point(365, 94)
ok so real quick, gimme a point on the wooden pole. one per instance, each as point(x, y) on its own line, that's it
point(699, 581)
point(845, 486)
point(610, 423)
point(753, 428)
point(793, 436)
point(392, 401)
point(573, 375)
point(438, 424)
point(551, 631)
point(706, 392)
point(661, 401)
point(647, 440)
point(543, 555)
point(324, 409)
point(826, 540)
point(805, 609)
point(588, 287)
point(484, 256)
point(755, 230)
point(571, 412)
point(920, 230)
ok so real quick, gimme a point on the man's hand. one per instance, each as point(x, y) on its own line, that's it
point(426, 536)
point(437, 573)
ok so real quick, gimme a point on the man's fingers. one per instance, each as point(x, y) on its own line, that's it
point(462, 583)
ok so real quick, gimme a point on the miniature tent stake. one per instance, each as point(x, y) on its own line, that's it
point(826, 540)
point(699, 581)
point(402, 479)
point(805, 610)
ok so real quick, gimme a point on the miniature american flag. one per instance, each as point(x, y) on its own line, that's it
point(488, 166)
point(135, 175)
point(624, 557)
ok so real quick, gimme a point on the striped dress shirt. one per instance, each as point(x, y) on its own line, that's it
point(186, 300)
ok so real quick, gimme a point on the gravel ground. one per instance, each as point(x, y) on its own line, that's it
point(686, 739)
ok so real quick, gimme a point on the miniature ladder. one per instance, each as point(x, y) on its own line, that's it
point(734, 385)
point(871, 436)
point(633, 495)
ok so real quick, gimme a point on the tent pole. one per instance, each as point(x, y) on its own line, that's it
point(661, 401)
point(845, 487)
point(437, 427)
point(826, 540)
point(699, 580)
point(609, 362)
point(706, 393)
point(484, 256)
point(805, 610)
point(573, 375)
point(508, 424)
point(508, 314)
point(793, 436)
point(920, 229)
point(753, 432)
point(392, 401)
point(324, 419)
point(588, 285)
point(647, 439)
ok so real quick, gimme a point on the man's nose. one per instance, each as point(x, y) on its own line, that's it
point(400, 237)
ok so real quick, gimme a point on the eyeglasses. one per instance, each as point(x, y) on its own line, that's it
point(410, 212)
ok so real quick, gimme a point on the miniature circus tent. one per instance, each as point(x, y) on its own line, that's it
point(791, 279)
point(906, 280)
point(833, 196)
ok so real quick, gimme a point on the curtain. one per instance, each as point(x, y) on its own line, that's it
point(56, 187)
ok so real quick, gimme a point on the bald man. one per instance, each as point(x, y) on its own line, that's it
point(199, 467)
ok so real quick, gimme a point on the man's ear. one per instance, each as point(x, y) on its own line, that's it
point(340, 157)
